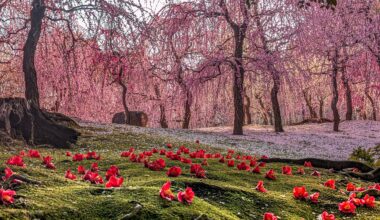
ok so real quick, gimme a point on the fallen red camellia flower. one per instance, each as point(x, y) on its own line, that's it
point(70, 175)
point(260, 187)
point(270, 175)
point(16, 161)
point(168, 145)
point(253, 163)
point(287, 170)
point(262, 164)
point(256, 169)
point(125, 154)
point(326, 216)
point(8, 173)
point(7, 196)
point(243, 166)
point(81, 170)
point(231, 163)
point(174, 171)
point(204, 162)
point(221, 160)
point(114, 182)
point(68, 153)
point(91, 155)
point(194, 168)
point(314, 197)
point(94, 167)
point(269, 216)
point(165, 191)
point(347, 207)
point(369, 201)
point(200, 173)
point(186, 196)
point(330, 183)
point(112, 171)
point(92, 177)
point(34, 154)
point(350, 187)
point(78, 157)
point(307, 164)
point(356, 201)
point(299, 192)
point(316, 173)
point(156, 165)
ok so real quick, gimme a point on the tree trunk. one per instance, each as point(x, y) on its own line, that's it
point(275, 104)
point(238, 85)
point(372, 104)
point(335, 92)
point(247, 111)
point(348, 96)
point(309, 105)
point(321, 104)
point(124, 92)
point(30, 74)
point(187, 106)
point(163, 121)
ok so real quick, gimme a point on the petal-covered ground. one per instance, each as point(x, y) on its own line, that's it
point(133, 187)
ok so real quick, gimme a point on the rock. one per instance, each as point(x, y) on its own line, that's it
point(136, 118)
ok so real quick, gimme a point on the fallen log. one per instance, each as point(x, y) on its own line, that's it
point(24, 121)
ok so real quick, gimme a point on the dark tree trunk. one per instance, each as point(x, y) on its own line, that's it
point(275, 104)
point(124, 92)
point(321, 104)
point(267, 116)
point(30, 74)
point(247, 110)
point(309, 105)
point(348, 96)
point(335, 96)
point(187, 106)
point(163, 120)
point(372, 104)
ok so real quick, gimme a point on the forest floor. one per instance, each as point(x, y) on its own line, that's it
point(226, 193)
point(300, 141)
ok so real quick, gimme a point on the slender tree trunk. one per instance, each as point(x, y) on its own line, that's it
point(372, 104)
point(335, 92)
point(124, 91)
point(163, 120)
point(238, 89)
point(187, 107)
point(348, 96)
point(247, 111)
point(309, 105)
point(321, 104)
point(30, 74)
point(275, 104)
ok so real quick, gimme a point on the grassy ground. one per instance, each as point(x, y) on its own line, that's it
point(226, 194)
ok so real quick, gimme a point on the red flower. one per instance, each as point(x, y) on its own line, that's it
point(269, 216)
point(92, 177)
point(94, 167)
point(197, 141)
point(221, 160)
point(22, 153)
point(186, 160)
point(7, 196)
point(200, 173)
point(8, 173)
point(330, 183)
point(301, 171)
point(260, 187)
point(68, 153)
point(375, 186)
point(264, 157)
point(229, 156)
point(112, 171)
point(316, 173)
point(114, 182)
point(307, 164)
point(326, 216)
point(350, 187)
point(287, 170)
point(204, 162)
point(230, 151)
point(47, 159)
point(314, 197)
point(154, 150)
point(81, 170)
point(231, 163)
point(165, 191)
point(369, 201)
point(262, 164)
point(16, 160)
point(270, 175)
point(34, 154)
point(169, 145)
point(186, 196)
point(194, 168)
point(347, 207)
point(50, 166)
point(243, 166)
point(299, 192)
point(156, 165)
point(256, 169)
point(125, 154)
point(162, 152)
point(174, 171)
point(92, 155)
point(78, 157)
point(70, 175)
point(252, 163)
point(356, 201)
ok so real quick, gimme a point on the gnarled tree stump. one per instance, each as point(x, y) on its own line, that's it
point(136, 118)
point(21, 120)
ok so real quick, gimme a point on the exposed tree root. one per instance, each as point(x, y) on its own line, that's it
point(22, 178)
point(367, 173)
point(134, 212)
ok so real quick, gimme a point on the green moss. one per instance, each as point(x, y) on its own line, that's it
point(226, 194)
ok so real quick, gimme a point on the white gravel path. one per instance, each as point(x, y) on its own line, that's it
point(309, 140)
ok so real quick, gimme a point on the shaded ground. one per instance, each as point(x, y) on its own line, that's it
point(309, 140)
point(227, 193)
